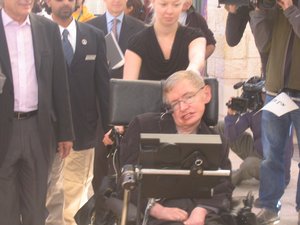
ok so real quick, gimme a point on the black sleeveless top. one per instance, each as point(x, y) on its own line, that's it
point(154, 65)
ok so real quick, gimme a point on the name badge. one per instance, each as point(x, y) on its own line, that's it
point(90, 57)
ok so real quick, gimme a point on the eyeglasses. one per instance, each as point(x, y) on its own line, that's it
point(188, 99)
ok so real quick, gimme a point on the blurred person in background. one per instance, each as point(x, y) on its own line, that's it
point(126, 27)
point(82, 14)
point(135, 8)
point(190, 18)
point(37, 6)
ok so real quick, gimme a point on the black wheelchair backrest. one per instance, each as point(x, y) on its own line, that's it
point(129, 98)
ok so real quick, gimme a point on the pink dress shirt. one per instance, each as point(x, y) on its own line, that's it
point(20, 46)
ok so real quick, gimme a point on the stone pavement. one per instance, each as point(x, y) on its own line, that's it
point(288, 214)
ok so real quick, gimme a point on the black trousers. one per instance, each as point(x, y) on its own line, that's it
point(100, 165)
point(23, 177)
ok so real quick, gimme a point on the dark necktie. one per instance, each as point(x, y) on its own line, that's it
point(114, 28)
point(67, 47)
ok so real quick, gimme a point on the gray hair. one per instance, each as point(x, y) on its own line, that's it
point(195, 79)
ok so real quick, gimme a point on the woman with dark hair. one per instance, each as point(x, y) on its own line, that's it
point(135, 8)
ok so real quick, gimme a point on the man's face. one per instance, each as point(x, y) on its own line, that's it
point(188, 103)
point(115, 7)
point(62, 9)
point(18, 9)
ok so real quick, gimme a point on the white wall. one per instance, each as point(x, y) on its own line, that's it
point(230, 64)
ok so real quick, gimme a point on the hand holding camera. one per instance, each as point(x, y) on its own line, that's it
point(251, 97)
point(231, 111)
point(237, 105)
point(231, 8)
point(284, 4)
point(260, 4)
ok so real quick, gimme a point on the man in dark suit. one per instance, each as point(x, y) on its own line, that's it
point(127, 26)
point(35, 112)
point(89, 88)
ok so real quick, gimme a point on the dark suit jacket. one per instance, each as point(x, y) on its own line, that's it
point(54, 110)
point(89, 86)
point(130, 26)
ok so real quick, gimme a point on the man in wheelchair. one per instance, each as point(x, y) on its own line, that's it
point(186, 95)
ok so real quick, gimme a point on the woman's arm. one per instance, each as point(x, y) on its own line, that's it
point(132, 66)
point(197, 50)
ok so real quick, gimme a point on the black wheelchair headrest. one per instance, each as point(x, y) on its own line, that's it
point(129, 98)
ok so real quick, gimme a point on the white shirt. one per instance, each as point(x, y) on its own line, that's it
point(182, 18)
point(21, 54)
point(72, 33)
point(110, 20)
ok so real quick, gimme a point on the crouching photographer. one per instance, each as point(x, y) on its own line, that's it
point(243, 113)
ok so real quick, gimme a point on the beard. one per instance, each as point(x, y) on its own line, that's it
point(65, 13)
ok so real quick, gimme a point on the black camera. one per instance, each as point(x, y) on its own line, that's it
point(245, 216)
point(251, 97)
point(262, 4)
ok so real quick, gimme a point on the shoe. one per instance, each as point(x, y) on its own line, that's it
point(267, 217)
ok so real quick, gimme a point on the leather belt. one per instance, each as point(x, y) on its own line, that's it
point(24, 115)
point(294, 95)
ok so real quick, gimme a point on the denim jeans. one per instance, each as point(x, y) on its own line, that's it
point(275, 134)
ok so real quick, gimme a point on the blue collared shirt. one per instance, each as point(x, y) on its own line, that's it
point(109, 21)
